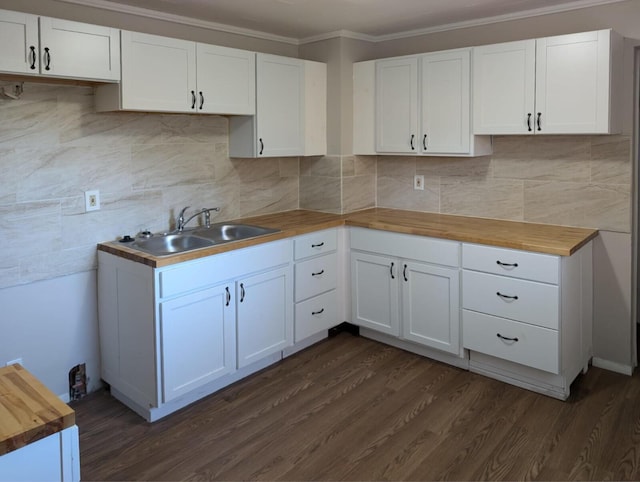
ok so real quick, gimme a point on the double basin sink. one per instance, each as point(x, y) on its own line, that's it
point(197, 238)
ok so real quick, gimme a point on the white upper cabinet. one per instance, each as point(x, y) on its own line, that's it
point(397, 105)
point(171, 75)
point(226, 80)
point(291, 106)
point(566, 84)
point(58, 48)
point(423, 105)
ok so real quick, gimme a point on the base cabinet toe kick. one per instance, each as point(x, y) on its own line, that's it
point(521, 317)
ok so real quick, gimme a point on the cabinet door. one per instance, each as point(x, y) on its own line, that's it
point(158, 73)
point(81, 50)
point(572, 83)
point(226, 80)
point(397, 105)
point(18, 42)
point(430, 305)
point(374, 291)
point(503, 88)
point(197, 333)
point(445, 107)
point(279, 106)
point(265, 315)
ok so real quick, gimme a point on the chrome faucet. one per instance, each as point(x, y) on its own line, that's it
point(207, 217)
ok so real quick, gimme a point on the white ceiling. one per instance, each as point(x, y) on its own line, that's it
point(302, 20)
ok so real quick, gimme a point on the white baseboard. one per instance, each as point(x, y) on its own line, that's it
point(612, 366)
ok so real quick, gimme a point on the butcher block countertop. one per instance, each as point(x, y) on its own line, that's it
point(29, 411)
point(541, 238)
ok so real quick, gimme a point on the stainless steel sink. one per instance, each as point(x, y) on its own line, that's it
point(170, 244)
point(226, 232)
point(196, 238)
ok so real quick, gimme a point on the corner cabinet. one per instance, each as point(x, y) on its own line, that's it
point(171, 75)
point(568, 84)
point(50, 47)
point(407, 287)
point(423, 105)
point(290, 120)
point(171, 335)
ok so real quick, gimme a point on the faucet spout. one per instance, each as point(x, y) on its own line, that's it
point(182, 222)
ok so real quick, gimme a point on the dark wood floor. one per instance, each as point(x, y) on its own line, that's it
point(352, 409)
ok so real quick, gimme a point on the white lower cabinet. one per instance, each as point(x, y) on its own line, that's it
point(526, 317)
point(171, 335)
point(317, 274)
point(406, 286)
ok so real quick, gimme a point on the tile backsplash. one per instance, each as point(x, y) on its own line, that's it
point(54, 146)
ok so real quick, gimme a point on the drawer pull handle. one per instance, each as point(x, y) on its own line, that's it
point(404, 273)
point(318, 312)
point(318, 273)
point(506, 338)
point(228, 296)
point(507, 265)
point(391, 271)
point(507, 297)
point(242, 292)
point(319, 245)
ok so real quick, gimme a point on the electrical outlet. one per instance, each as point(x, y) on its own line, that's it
point(91, 200)
point(17, 361)
point(418, 182)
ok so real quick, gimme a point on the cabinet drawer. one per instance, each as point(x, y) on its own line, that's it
point(535, 346)
point(316, 314)
point(315, 243)
point(406, 246)
point(316, 276)
point(511, 262)
point(536, 303)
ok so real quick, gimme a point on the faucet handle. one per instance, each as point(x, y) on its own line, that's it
point(207, 215)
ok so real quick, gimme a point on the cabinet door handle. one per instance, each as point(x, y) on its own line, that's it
point(318, 273)
point(318, 312)
point(413, 136)
point(261, 146)
point(506, 297)
point(242, 293)
point(538, 121)
point(33, 57)
point(506, 338)
point(529, 122)
point(424, 142)
point(193, 99)
point(47, 59)
point(404, 273)
point(228, 296)
point(391, 271)
point(506, 265)
point(319, 245)
point(201, 100)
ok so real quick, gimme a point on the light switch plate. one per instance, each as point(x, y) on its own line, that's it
point(91, 200)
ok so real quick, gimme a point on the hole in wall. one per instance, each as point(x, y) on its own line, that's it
point(77, 382)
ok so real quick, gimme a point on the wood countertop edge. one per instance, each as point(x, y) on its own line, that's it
point(30, 411)
point(374, 218)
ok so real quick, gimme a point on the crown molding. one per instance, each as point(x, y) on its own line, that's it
point(577, 5)
point(220, 27)
point(179, 19)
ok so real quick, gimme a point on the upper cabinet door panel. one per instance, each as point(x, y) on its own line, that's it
point(226, 80)
point(445, 91)
point(80, 50)
point(572, 83)
point(18, 42)
point(280, 106)
point(503, 88)
point(159, 73)
point(397, 105)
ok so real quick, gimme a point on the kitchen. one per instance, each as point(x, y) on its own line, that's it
point(55, 146)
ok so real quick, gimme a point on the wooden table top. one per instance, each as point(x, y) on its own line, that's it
point(29, 411)
point(541, 238)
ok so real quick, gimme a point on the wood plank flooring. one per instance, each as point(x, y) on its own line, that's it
point(353, 409)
